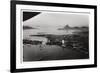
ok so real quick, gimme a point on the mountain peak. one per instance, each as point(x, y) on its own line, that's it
point(66, 26)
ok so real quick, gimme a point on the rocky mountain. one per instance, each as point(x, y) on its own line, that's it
point(65, 27)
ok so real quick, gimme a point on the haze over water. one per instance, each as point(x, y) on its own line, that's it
point(49, 23)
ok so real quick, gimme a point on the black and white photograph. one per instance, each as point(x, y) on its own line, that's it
point(55, 36)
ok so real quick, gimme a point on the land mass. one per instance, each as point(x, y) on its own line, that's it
point(67, 27)
point(28, 27)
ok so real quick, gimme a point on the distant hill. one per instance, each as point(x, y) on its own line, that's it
point(28, 27)
point(66, 27)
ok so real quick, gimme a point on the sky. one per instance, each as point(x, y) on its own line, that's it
point(54, 19)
